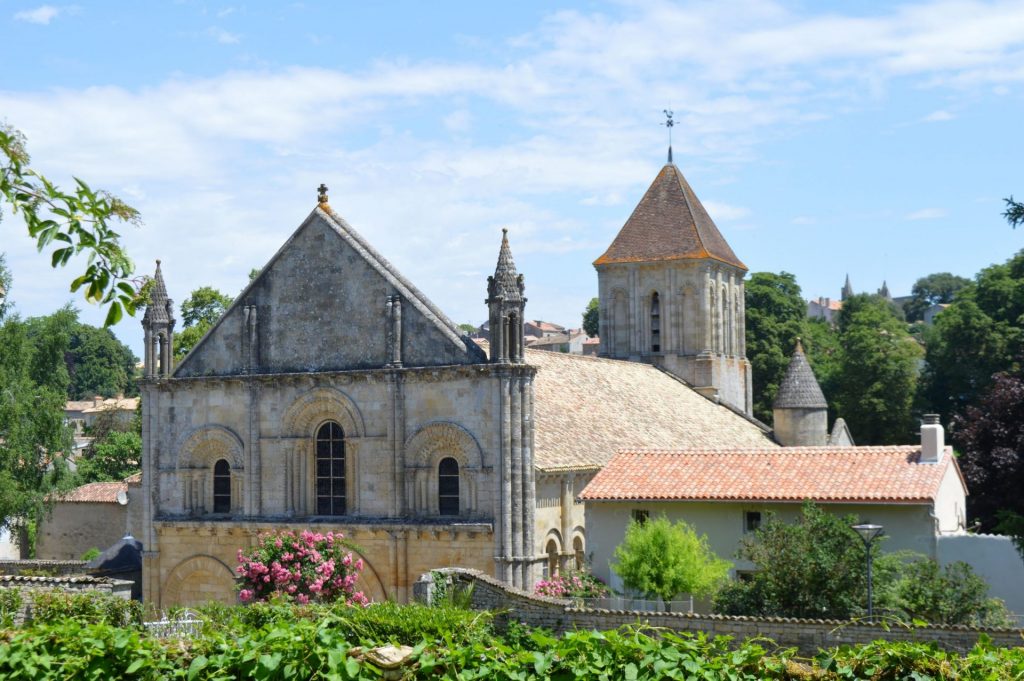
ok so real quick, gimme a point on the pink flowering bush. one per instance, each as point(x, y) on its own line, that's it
point(306, 567)
point(571, 585)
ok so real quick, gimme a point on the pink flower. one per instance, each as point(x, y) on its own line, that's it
point(246, 595)
point(302, 599)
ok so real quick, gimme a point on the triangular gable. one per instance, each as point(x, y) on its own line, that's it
point(669, 223)
point(320, 305)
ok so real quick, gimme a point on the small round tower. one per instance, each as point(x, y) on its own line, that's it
point(800, 411)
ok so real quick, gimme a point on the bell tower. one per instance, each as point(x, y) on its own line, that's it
point(671, 293)
point(158, 328)
point(505, 304)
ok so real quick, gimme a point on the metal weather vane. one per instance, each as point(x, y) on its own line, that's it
point(669, 123)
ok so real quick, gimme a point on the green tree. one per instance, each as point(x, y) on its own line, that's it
point(663, 559)
point(821, 345)
point(34, 441)
point(775, 317)
point(978, 335)
point(813, 568)
point(73, 223)
point(931, 290)
point(878, 369)
point(954, 594)
point(591, 318)
point(99, 364)
point(1014, 213)
point(5, 286)
point(115, 457)
point(467, 329)
point(204, 305)
point(199, 312)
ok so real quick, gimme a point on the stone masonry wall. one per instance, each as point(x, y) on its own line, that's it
point(807, 635)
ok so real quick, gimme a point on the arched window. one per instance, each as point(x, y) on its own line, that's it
point(448, 486)
point(221, 487)
point(552, 551)
point(655, 323)
point(577, 548)
point(330, 470)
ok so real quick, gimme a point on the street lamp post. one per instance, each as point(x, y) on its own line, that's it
point(868, 533)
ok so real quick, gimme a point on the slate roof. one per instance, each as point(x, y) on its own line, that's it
point(890, 474)
point(587, 408)
point(799, 388)
point(669, 223)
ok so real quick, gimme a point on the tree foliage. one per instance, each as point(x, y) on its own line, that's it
point(205, 305)
point(953, 594)
point(813, 568)
point(73, 223)
point(663, 559)
point(114, 457)
point(775, 316)
point(878, 371)
point(936, 288)
point(34, 440)
point(200, 311)
point(978, 335)
point(591, 318)
point(1014, 213)
point(990, 439)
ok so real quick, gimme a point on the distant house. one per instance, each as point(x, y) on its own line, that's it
point(915, 492)
point(541, 329)
point(96, 515)
point(824, 308)
point(82, 414)
point(932, 312)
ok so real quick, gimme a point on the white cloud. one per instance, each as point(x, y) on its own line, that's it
point(938, 116)
point(926, 214)
point(724, 212)
point(223, 37)
point(458, 121)
point(804, 220)
point(43, 15)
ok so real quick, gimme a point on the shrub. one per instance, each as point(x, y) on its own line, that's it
point(572, 584)
point(90, 554)
point(305, 567)
point(661, 558)
point(86, 607)
point(954, 594)
point(10, 603)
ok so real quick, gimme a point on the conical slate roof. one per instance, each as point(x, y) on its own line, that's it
point(669, 223)
point(799, 389)
point(506, 280)
point(157, 310)
point(847, 289)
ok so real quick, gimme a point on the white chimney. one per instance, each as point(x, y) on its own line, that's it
point(933, 439)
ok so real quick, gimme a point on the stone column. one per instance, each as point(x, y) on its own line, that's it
point(516, 435)
point(253, 492)
point(505, 462)
point(566, 517)
point(529, 483)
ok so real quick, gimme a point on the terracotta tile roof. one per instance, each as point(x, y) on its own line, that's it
point(134, 479)
point(121, 404)
point(587, 408)
point(95, 492)
point(669, 223)
point(890, 474)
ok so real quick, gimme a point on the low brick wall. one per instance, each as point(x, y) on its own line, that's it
point(808, 636)
point(53, 567)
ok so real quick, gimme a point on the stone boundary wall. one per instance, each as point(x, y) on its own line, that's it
point(808, 636)
point(55, 567)
point(77, 584)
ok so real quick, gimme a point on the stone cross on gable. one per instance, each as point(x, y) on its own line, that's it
point(322, 193)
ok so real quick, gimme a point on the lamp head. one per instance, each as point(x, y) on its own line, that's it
point(868, 531)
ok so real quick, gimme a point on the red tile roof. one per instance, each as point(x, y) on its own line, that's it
point(889, 474)
point(95, 492)
point(669, 223)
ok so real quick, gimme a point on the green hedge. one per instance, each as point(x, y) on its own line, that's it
point(325, 643)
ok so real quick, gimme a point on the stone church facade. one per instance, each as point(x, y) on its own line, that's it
point(334, 395)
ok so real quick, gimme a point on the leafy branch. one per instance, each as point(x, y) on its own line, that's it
point(71, 223)
point(1014, 212)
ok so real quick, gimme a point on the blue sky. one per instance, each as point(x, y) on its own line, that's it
point(824, 138)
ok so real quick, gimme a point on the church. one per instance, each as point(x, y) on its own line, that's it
point(334, 395)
